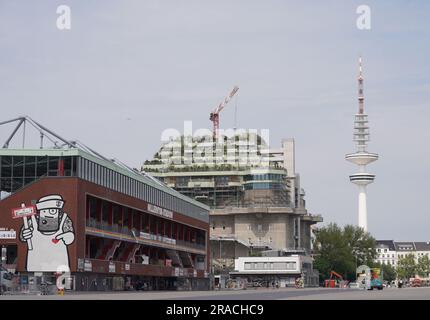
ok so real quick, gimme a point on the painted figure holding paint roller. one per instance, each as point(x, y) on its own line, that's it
point(48, 234)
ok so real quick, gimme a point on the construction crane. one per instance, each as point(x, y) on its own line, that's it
point(214, 117)
point(331, 283)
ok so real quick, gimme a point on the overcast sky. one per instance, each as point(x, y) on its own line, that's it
point(127, 70)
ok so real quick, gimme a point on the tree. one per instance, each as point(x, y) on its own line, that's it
point(342, 250)
point(406, 267)
point(423, 266)
point(362, 244)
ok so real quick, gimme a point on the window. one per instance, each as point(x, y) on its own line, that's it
point(105, 211)
point(93, 208)
point(18, 167)
point(280, 265)
point(42, 166)
point(30, 166)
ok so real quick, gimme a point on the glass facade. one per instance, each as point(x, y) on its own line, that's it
point(18, 171)
point(265, 177)
point(265, 186)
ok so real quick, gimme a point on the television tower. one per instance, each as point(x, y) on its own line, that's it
point(361, 157)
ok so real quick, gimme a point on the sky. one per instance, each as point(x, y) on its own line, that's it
point(127, 70)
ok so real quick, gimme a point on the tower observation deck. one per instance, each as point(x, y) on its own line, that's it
point(361, 157)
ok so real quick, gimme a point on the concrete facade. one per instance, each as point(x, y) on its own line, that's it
point(259, 207)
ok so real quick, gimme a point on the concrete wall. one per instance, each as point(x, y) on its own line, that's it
point(290, 232)
point(269, 197)
point(305, 234)
point(224, 225)
point(272, 229)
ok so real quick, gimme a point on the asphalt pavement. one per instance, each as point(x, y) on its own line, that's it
point(250, 294)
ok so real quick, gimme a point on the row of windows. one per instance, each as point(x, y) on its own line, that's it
point(265, 177)
point(392, 262)
point(270, 265)
point(32, 166)
point(110, 214)
point(259, 227)
point(111, 179)
point(402, 255)
point(419, 254)
point(18, 171)
point(265, 186)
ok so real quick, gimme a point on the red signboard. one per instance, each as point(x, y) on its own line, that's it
point(23, 212)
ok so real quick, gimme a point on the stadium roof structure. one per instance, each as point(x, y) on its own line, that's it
point(59, 146)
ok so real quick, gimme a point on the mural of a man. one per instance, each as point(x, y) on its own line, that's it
point(51, 231)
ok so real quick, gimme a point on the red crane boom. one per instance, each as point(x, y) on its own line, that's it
point(214, 117)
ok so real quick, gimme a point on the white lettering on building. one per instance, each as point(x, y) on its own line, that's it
point(160, 211)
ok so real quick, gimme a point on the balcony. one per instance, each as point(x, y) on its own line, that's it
point(117, 232)
point(118, 267)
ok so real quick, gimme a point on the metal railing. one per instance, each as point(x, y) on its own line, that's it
point(257, 205)
point(104, 226)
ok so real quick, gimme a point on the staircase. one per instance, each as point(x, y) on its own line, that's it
point(176, 259)
point(101, 255)
point(111, 251)
point(129, 255)
point(187, 261)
